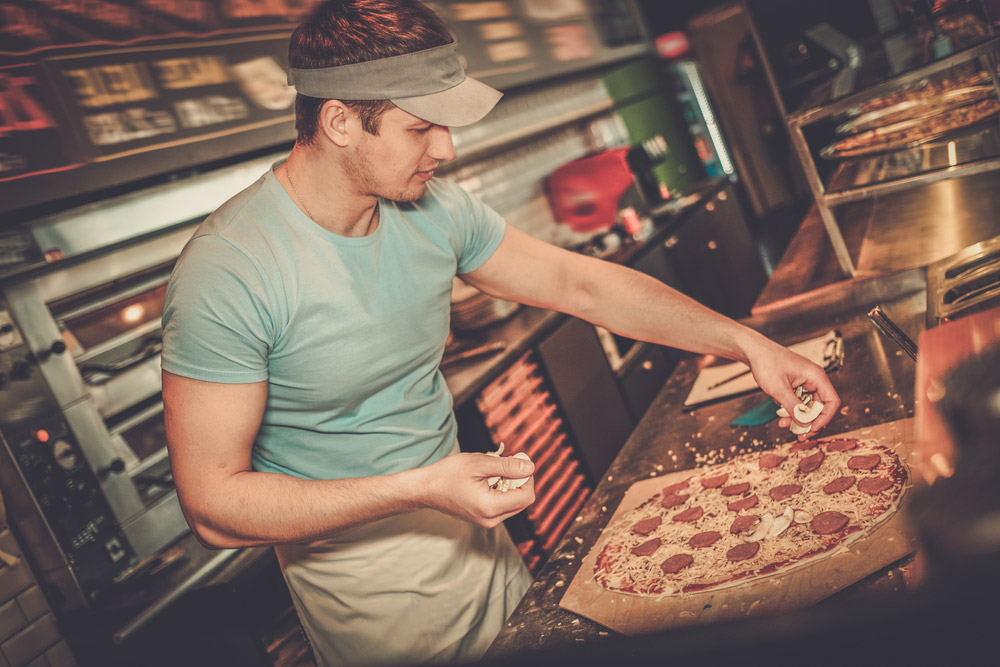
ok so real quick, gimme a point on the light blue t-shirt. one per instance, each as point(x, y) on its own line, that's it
point(347, 332)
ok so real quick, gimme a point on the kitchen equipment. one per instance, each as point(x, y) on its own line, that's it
point(584, 193)
point(890, 330)
point(965, 283)
point(783, 591)
point(83, 456)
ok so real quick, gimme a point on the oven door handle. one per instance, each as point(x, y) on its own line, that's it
point(97, 374)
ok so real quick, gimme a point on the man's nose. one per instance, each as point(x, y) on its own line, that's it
point(441, 146)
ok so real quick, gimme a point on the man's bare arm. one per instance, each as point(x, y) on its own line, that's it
point(210, 431)
point(638, 306)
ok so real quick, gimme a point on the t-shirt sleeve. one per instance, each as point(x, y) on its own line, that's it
point(216, 322)
point(480, 231)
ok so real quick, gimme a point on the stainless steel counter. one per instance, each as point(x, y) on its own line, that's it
point(876, 385)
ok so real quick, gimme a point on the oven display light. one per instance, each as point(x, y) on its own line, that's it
point(42, 435)
point(133, 313)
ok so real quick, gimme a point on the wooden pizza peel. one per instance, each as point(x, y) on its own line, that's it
point(799, 587)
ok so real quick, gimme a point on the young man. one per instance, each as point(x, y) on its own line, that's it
point(303, 330)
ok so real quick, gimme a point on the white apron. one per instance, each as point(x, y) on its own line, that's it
point(416, 587)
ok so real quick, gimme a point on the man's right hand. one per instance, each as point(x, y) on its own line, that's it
point(457, 485)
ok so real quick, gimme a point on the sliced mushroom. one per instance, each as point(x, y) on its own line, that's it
point(805, 414)
point(801, 516)
point(763, 528)
point(781, 412)
point(781, 523)
point(800, 429)
point(517, 483)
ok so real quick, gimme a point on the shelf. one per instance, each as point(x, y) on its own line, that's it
point(818, 112)
point(974, 151)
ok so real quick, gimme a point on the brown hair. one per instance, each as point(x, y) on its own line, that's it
point(344, 32)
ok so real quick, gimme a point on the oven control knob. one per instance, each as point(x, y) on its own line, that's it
point(115, 466)
point(57, 348)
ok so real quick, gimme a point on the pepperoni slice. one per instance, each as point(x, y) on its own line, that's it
point(673, 499)
point(674, 488)
point(743, 551)
point(646, 526)
point(827, 523)
point(843, 445)
point(863, 462)
point(840, 484)
point(874, 485)
point(715, 482)
point(743, 523)
point(706, 539)
point(770, 460)
point(784, 491)
point(811, 462)
point(689, 515)
point(743, 504)
point(736, 489)
point(804, 445)
point(676, 563)
point(647, 548)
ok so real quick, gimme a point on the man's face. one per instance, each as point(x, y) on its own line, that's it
point(397, 162)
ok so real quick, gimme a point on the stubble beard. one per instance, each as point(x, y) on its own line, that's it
point(369, 183)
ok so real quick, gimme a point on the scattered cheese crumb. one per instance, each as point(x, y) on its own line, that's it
point(652, 474)
point(711, 418)
point(602, 633)
point(579, 540)
point(867, 410)
point(659, 466)
point(604, 508)
point(559, 584)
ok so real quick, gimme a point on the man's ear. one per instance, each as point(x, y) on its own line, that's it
point(334, 117)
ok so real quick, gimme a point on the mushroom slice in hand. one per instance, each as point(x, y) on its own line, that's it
point(517, 483)
point(781, 412)
point(806, 414)
point(799, 429)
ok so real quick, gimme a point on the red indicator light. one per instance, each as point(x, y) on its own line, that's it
point(42, 435)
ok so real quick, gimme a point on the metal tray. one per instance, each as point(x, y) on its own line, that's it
point(912, 111)
point(831, 151)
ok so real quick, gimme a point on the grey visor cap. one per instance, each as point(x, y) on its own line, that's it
point(430, 84)
point(462, 105)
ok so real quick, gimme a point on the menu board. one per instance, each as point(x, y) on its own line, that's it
point(95, 94)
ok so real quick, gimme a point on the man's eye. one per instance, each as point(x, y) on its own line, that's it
point(423, 130)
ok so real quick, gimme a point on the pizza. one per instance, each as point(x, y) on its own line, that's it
point(924, 91)
point(755, 515)
point(912, 134)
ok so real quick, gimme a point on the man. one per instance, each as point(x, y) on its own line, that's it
point(303, 330)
